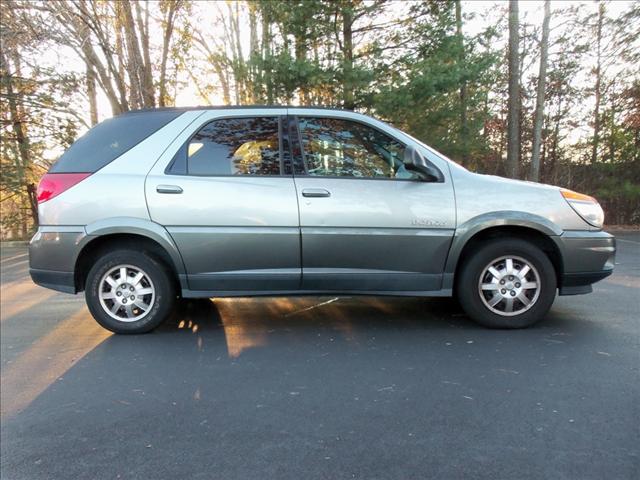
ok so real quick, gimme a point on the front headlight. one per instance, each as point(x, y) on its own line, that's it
point(585, 206)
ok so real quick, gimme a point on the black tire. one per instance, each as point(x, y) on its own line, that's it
point(467, 284)
point(158, 273)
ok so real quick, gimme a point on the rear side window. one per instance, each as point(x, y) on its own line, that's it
point(109, 139)
point(235, 146)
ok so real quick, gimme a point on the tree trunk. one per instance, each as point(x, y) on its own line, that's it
point(612, 125)
point(92, 95)
point(301, 53)
point(513, 112)
point(502, 143)
point(347, 51)
point(255, 79)
point(266, 55)
point(119, 70)
point(32, 195)
point(135, 66)
point(596, 113)
point(316, 97)
point(124, 21)
point(463, 84)
point(555, 142)
point(148, 93)
point(233, 35)
point(543, 158)
point(172, 8)
point(542, 78)
point(224, 82)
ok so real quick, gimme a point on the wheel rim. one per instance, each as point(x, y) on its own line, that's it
point(509, 285)
point(126, 293)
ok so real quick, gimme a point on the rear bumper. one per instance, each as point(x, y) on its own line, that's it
point(588, 257)
point(52, 256)
point(60, 281)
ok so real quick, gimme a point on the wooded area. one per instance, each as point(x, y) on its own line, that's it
point(555, 100)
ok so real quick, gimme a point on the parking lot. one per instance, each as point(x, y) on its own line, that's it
point(305, 388)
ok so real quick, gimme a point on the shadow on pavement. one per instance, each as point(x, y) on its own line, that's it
point(248, 323)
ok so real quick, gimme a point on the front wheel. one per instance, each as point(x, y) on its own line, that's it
point(507, 283)
point(129, 292)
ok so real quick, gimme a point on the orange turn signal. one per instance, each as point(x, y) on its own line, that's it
point(571, 195)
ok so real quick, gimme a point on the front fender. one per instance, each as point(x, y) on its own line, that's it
point(475, 225)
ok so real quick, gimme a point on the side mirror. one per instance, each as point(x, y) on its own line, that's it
point(414, 161)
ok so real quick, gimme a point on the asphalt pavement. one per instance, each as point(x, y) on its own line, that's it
point(321, 388)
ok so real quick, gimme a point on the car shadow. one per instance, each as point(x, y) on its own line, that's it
point(246, 322)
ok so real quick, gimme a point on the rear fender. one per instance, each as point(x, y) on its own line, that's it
point(136, 226)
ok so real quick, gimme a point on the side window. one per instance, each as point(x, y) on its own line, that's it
point(342, 148)
point(109, 139)
point(235, 146)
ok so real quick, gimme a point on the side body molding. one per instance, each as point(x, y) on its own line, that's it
point(475, 225)
point(136, 226)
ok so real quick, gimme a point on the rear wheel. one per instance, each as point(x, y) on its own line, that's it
point(129, 292)
point(507, 283)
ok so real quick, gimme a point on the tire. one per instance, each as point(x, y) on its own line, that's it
point(478, 288)
point(155, 290)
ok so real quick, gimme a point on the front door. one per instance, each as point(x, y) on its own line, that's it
point(367, 223)
point(227, 204)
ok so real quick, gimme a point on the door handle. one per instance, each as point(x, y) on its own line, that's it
point(168, 189)
point(315, 192)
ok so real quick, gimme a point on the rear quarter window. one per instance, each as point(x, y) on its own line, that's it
point(109, 139)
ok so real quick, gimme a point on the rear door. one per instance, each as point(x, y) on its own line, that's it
point(221, 192)
point(367, 223)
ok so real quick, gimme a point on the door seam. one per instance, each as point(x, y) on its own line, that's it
point(295, 187)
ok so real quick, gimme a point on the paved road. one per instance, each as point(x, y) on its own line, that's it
point(322, 388)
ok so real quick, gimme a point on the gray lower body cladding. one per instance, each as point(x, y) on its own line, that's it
point(587, 257)
point(52, 257)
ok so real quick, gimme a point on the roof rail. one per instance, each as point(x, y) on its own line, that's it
point(233, 107)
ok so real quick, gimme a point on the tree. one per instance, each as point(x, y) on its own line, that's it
point(490, 99)
point(124, 69)
point(32, 117)
point(463, 85)
point(598, 86)
point(420, 85)
point(347, 50)
point(513, 115)
point(540, 92)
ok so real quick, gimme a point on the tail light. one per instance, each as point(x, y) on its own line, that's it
point(53, 184)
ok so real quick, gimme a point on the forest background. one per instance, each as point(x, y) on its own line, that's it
point(540, 91)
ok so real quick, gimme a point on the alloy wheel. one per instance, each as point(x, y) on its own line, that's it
point(126, 293)
point(509, 285)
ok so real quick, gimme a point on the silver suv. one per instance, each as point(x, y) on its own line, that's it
point(218, 202)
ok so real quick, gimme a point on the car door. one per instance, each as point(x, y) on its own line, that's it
point(221, 193)
point(366, 222)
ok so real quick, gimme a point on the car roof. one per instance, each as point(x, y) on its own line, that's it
point(232, 107)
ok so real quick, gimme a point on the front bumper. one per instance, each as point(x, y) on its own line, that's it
point(587, 257)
